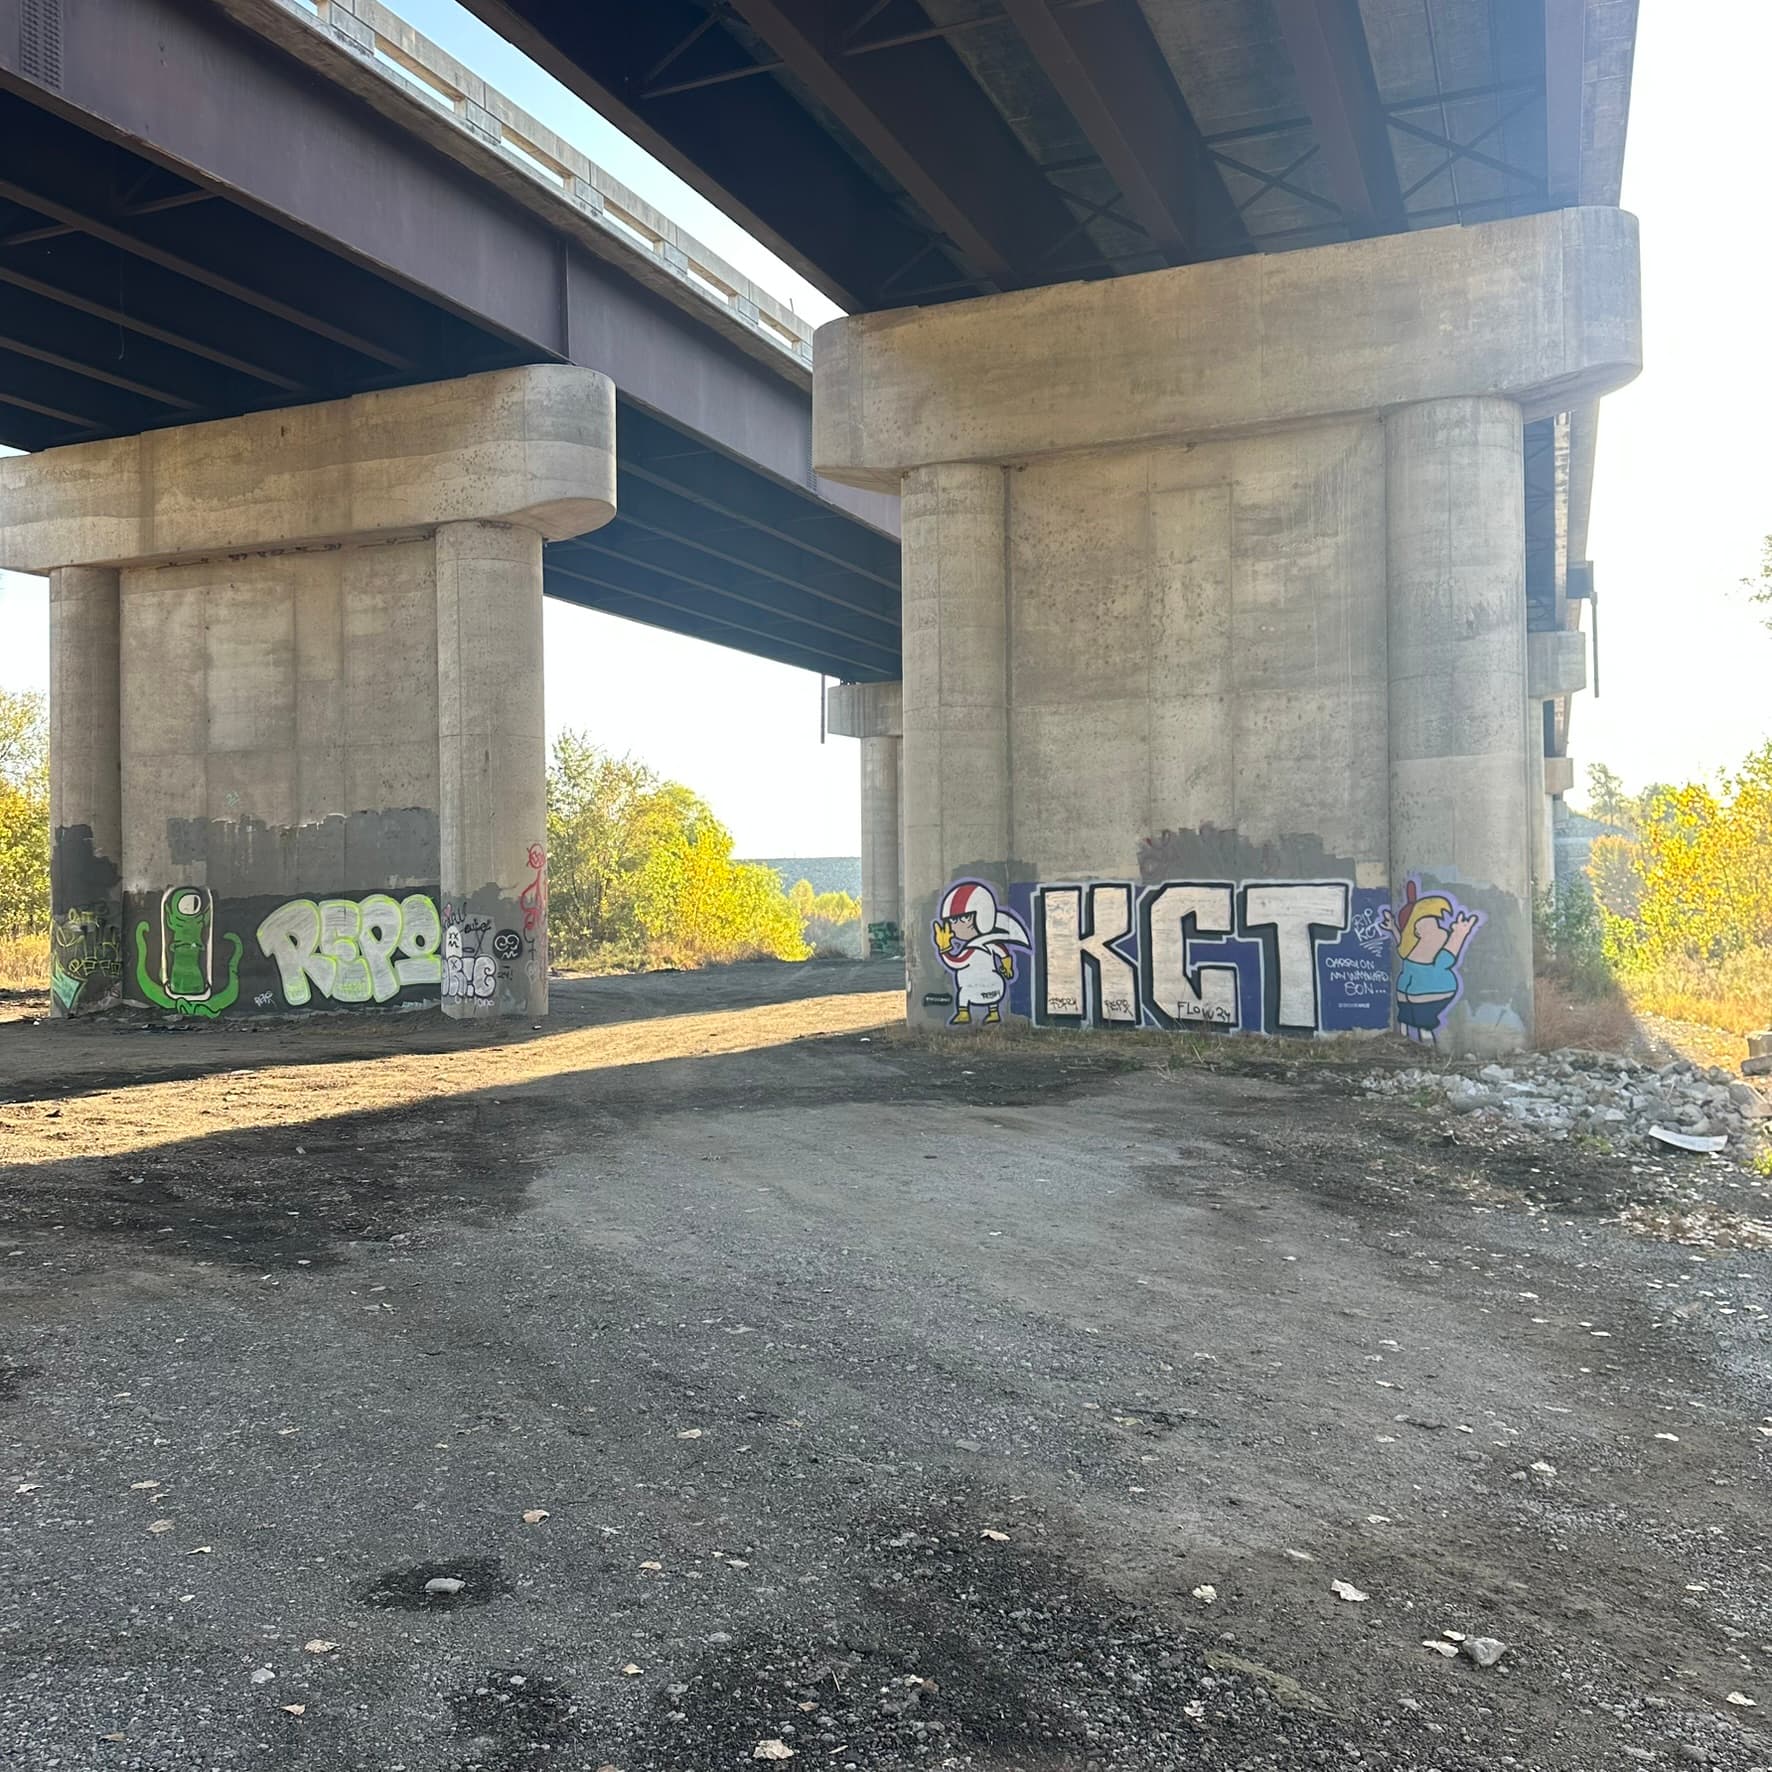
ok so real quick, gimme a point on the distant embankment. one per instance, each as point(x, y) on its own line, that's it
point(827, 873)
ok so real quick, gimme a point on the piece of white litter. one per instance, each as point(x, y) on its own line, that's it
point(1345, 1590)
point(1688, 1141)
point(1675, 1438)
point(260, 1675)
point(1741, 1698)
point(1449, 1650)
point(1206, 1593)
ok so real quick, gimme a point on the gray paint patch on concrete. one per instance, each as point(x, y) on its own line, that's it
point(381, 851)
point(1214, 854)
point(78, 874)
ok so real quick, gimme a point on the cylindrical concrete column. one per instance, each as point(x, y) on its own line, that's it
point(882, 906)
point(1538, 807)
point(957, 821)
point(492, 825)
point(1460, 830)
point(85, 791)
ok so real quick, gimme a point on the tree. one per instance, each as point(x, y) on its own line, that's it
point(24, 812)
point(640, 867)
point(1606, 799)
point(1705, 866)
point(1612, 869)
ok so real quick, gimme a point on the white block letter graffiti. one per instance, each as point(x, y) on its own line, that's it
point(1078, 977)
point(1289, 921)
point(467, 972)
point(1177, 992)
point(346, 949)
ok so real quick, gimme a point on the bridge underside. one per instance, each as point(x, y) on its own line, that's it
point(135, 296)
point(704, 547)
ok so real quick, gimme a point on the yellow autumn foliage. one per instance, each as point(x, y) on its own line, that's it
point(1687, 902)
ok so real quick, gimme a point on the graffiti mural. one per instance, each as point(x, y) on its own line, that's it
point(353, 950)
point(1271, 956)
point(885, 939)
point(1256, 956)
point(973, 937)
point(85, 958)
point(471, 957)
point(533, 899)
point(1431, 933)
point(185, 980)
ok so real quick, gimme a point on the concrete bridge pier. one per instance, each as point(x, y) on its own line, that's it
point(1214, 626)
point(296, 696)
point(874, 713)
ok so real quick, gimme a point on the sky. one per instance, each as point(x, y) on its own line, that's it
point(1681, 496)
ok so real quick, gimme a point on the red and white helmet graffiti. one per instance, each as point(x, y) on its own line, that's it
point(971, 898)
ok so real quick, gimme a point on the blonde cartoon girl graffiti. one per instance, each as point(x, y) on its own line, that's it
point(973, 936)
point(1431, 934)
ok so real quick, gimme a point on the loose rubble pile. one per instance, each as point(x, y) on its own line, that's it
point(1598, 1094)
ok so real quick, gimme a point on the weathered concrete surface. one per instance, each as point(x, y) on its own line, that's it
point(1460, 822)
point(327, 739)
point(85, 791)
point(956, 757)
point(1232, 548)
point(534, 446)
point(775, 1325)
point(1542, 310)
point(492, 740)
point(882, 836)
point(865, 710)
point(1556, 663)
point(874, 713)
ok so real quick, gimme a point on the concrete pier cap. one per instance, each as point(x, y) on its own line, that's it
point(297, 695)
point(1215, 660)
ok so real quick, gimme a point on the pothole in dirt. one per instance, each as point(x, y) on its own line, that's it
point(428, 1587)
point(513, 1720)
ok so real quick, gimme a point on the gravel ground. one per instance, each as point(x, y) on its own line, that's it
point(777, 1386)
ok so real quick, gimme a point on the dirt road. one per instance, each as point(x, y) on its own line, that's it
point(764, 1378)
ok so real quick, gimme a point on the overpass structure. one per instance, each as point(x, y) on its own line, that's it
point(1239, 368)
point(1237, 365)
point(271, 234)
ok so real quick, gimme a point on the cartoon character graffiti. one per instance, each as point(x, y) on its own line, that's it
point(186, 980)
point(1431, 934)
point(973, 936)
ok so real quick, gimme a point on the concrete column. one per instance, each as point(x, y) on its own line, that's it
point(957, 813)
point(492, 825)
point(1460, 823)
point(85, 791)
point(1540, 807)
point(882, 883)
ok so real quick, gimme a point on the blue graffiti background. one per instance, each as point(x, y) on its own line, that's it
point(1353, 972)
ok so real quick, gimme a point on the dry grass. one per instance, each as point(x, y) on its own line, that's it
point(24, 963)
point(1570, 1012)
point(1736, 996)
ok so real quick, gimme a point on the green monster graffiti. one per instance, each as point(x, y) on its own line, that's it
point(186, 983)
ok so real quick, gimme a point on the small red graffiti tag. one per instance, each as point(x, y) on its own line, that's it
point(534, 897)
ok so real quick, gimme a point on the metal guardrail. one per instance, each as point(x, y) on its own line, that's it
point(380, 39)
